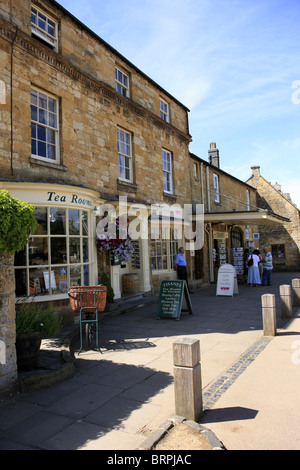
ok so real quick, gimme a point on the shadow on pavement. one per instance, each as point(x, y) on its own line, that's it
point(233, 413)
point(71, 415)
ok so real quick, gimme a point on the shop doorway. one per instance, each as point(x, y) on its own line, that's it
point(236, 237)
point(199, 264)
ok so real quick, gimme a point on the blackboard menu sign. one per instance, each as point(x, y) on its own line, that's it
point(171, 298)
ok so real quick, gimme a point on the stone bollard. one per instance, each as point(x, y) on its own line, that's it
point(269, 314)
point(296, 292)
point(286, 301)
point(187, 378)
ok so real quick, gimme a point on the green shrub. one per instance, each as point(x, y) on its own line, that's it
point(16, 223)
point(105, 281)
point(32, 317)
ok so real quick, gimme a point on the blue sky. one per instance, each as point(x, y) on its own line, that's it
point(234, 63)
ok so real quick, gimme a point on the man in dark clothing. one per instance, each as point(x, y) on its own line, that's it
point(180, 267)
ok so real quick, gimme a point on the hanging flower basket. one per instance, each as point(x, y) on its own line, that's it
point(88, 298)
point(113, 240)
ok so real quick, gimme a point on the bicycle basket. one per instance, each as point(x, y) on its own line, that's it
point(88, 299)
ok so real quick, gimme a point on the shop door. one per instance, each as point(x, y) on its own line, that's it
point(199, 264)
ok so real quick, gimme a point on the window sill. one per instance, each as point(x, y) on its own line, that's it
point(172, 196)
point(163, 272)
point(56, 166)
point(42, 298)
point(127, 186)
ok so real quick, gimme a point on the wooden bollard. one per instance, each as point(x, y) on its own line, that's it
point(286, 301)
point(187, 378)
point(269, 314)
point(296, 292)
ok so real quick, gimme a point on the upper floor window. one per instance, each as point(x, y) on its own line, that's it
point(44, 126)
point(216, 188)
point(44, 27)
point(164, 110)
point(248, 199)
point(167, 171)
point(124, 155)
point(122, 82)
point(196, 170)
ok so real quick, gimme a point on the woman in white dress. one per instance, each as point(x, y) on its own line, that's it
point(253, 271)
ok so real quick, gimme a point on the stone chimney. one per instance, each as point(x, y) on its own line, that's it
point(213, 155)
point(277, 187)
point(255, 171)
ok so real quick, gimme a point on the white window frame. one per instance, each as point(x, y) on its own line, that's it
point(44, 120)
point(84, 267)
point(122, 82)
point(164, 110)
point(124, 142)
point(195, 170)
point(248, 199)
point(164, 247)
point(167, 164)
point(216, 188)
point(41, 25)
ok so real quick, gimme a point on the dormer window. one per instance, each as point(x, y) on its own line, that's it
point(44, 27)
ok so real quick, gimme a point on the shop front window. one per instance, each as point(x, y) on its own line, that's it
point(278, 252)
point(56, 255)
point(164, 248)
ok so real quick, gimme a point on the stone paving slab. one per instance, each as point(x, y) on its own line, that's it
point(131, 382)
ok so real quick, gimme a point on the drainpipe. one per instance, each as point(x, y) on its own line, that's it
point(11, 103)
point(202, 185)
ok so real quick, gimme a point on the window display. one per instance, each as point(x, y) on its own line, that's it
point(56, 255)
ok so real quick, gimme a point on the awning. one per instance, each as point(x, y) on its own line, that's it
point(260, 217)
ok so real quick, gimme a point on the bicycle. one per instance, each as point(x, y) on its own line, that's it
point(88, 300)
point(89, 330)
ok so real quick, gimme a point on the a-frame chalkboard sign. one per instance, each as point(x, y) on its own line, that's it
point(171, 299)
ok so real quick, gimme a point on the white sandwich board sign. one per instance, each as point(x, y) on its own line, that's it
point(227, 281)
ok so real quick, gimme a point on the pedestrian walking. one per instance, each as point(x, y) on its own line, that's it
point(267, 267)
point(253, 270)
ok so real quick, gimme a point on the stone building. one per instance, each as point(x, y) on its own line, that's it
point(231, 216)
point(282, 239)
point(84, 132)
point(81, 127)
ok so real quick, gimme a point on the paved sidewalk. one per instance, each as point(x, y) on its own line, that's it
point(119, 398)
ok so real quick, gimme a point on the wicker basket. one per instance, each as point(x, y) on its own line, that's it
point(87, 298)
